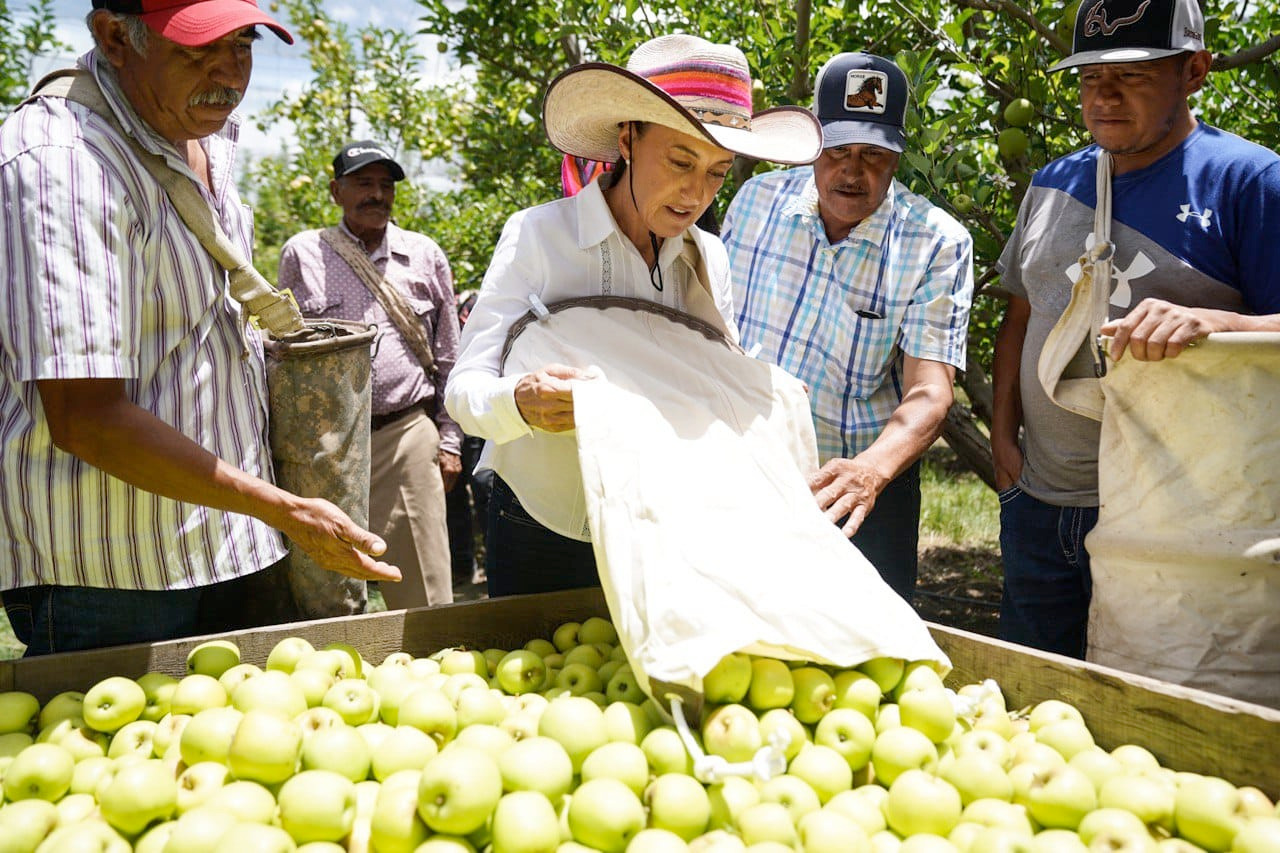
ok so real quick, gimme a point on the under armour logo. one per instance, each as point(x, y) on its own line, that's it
point(1187, 213)
point(1122, 294)
point(1095, 20)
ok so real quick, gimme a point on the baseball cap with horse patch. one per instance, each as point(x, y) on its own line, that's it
point(861, 99)
point(1111, 31)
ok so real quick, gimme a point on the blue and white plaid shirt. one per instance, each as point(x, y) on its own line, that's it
point(840, 317)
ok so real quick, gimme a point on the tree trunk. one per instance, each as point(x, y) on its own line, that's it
point(970, 445)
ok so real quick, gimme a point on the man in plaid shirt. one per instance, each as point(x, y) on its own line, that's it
point(861, 289)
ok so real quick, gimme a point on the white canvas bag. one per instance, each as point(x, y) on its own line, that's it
point(1186, 586)
point(708, 540)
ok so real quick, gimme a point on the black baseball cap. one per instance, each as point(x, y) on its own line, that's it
point(1109, 31)
point(860, 98)
point(357, 155)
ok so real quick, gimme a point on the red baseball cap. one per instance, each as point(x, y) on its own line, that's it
point(193, 23)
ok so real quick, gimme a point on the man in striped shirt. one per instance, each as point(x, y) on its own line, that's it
point(137, 502)
point(861, 289)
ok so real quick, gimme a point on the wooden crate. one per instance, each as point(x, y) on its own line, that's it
point(1186, 729)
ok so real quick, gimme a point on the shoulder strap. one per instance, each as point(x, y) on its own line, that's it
point(247, 285)
point(391, 299)
point(698, 297)
point(1085, 313)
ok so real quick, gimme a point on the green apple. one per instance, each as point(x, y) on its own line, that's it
point(464, 660)
point(626, 722)
point(492, 656)
point(396, 826)
point(888, 717)
point(317, 805)
point(255, 838)
point(330, 661)
point(236, 674)
point(352, 662)
point(199, 830)
point(195, 693)
point(767, 821)
point(138, 795)
point(825, 770)
point(885, 672)
point(793, 793)
point(458, 790)
point(928, 710)
point(1028, 750)
point(520, 671)
point(921, 802)
point(525, 822)
point(1255, 803)
point(66, 705)
point(272, 691)
point(213, 658)
point(1206, 811)
point(113, 702)
point(285, 654)
point(715, 841)
point(666, 752)
point(984, 742)
point(520, 724)
point(318, 719)
point(772, 685)
point(434, 844)
point(728, 680)
point(487, 737)
point(815, 693)
point(1056, 797)
point(849, 732)
point(999, 813)
point(653, 840)
point(1257, 834)
point(605, 814)
point(727, 798)
point(248, 801)
point(92, 835)
point(13, 743)
point(266, 747)
point(831, 832)
point(577, 723)
point(916, 675)
point(76, 738)
point(595, 629)
point(158, 687)
point(624, 687)
point(1114, 824)
point(430, 711)
point(341, 749)
point(88, 773)
point(565, 636)
point(779, 727)
point(1019, 112)
point(403, 748)
point(864, 806)
point(1098, 765)
point(24, 824)
point(74, 808)
point(579, 678)
point(1052, 711)
point(1068, 737)
point(42, 771)
point(899, 749)
point(313, 683)
point(353, 699)
point(976, 776)
point(541, 647)
point(733, 731)
point(537, 764)
point(857, 690)
point(625, 762)
point(679, 804)
point(136, 738)
point(19, 712)
point(197, 783)
point(1012, 142)
point(1151, 799)
point(991, 715)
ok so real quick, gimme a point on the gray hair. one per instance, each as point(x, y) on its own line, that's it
point(137, 32)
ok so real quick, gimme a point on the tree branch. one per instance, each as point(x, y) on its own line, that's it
point(1246, 56)
point(1014, 10)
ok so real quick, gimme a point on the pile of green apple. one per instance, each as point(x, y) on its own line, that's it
point(554, 747)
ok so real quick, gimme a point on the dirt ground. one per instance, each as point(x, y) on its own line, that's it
point(960, 588)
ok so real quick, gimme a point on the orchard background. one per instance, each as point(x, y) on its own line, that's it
point(967, 60)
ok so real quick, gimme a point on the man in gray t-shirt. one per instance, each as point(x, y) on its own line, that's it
point(1192, 207)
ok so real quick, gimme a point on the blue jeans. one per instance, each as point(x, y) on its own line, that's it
point(50, 619)
point(1047, 585)
point(522, 556)
point(890, 535)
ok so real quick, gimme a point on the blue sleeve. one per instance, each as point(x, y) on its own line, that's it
point(1257, 246)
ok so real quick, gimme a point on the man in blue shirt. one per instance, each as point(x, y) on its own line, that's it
point(1195, 214)
point(861, 289)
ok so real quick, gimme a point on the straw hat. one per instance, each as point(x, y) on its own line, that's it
point(679, 81)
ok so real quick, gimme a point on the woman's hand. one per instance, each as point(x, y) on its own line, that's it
point(545, 397)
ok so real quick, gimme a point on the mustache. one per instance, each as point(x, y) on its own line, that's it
point(221, 96)
point(374, 205)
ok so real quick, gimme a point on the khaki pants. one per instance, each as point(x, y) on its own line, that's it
point(407, 509)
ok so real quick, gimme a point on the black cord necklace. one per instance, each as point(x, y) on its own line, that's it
point(655, 274)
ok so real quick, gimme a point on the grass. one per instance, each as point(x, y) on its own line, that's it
point(957, 511)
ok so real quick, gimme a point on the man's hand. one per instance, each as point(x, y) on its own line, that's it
point(450, 468)
point(1156, 329)
point(545, 397)
point(334, 541)
point(847, 487)
point(1006, 456)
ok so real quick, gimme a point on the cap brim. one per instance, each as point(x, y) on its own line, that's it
point(199, 24)
point(1114, 55)
point(585, 106)
point(837, 133)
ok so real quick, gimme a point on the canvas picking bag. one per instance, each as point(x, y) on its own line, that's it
point(1186, 586)
point(708, 541)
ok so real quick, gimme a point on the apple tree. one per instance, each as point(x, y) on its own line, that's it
point(20, 43)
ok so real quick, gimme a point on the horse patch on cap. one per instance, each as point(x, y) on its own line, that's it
point(866, 91)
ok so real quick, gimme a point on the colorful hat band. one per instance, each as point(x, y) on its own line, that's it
point(714, 94)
